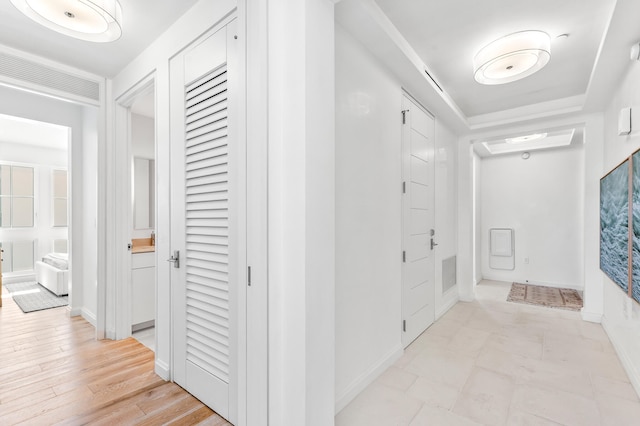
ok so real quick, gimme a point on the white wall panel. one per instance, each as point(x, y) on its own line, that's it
point(368, 216)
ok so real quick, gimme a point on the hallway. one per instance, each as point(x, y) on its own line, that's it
point(53, 371)
point(498, 363)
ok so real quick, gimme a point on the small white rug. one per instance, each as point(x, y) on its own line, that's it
point(31, 297)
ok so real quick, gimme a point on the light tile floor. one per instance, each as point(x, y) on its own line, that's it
point(492, 362)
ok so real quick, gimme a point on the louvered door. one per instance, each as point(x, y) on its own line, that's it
point(204, 175)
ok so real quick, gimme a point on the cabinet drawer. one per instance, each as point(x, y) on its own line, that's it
point(143, 260)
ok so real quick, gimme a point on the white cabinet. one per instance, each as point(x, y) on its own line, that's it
point(143, 290)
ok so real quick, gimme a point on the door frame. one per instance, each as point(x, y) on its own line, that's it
point(404, 181)
point(253, 359)
point(122, 178)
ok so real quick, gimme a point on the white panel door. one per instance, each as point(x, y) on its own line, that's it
point(418, 269)
point(205, 194)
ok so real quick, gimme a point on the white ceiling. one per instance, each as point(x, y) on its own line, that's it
point(447, 34)
point(145, 105)
point(143, 21)
point(443, 34)
point(35, 133)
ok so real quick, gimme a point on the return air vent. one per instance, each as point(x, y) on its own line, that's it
point(426, 71)
point(448, 273)
point(24, 70)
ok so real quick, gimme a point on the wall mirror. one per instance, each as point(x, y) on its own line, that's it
point(143, 193)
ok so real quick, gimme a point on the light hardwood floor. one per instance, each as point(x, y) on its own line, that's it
point(53, 371)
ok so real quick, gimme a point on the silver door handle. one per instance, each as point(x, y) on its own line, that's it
point(175, 259)
point(433, 244)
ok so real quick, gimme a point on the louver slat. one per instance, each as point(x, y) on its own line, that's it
point(207, 225)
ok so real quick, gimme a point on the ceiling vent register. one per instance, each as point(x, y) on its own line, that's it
point(20, 70)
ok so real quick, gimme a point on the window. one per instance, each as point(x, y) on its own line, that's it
point(16, 197)
point(60, 246)
point(60, 198)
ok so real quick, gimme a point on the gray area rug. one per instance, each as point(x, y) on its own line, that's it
point(31, 297)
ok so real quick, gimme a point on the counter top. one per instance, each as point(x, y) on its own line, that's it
point(143, 249)
point(142, 245)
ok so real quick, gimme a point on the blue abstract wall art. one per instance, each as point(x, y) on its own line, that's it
point(614, 225)
point(635, 280)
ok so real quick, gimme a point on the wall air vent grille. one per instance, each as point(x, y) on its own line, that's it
point(24, 70)
point(449, 279)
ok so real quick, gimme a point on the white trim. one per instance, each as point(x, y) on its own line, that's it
point(591, 316)
point(89, 316)
point(628, 362)
point(10, 278)
point(366, 378)
point(124, 219)
point(163, 370)
point(491, 277)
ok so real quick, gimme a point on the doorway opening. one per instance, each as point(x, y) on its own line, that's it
point(137, 110)
point(35, 206)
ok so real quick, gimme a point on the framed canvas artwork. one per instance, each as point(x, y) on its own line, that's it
point(614, 225)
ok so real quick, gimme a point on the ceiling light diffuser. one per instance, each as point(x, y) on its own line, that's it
point(527, 138)
point(90, 20)
point(512, 57)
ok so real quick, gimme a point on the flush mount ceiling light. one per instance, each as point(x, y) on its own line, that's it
point(95, 20)
point(512, 57)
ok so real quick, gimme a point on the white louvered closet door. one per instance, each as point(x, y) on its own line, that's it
point(204, 195)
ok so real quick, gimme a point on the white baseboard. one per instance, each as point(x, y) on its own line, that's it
point(628, 362)
point(18, 278)
point(533, 282)
point(89, 316)
point(162, 370)
point(366, 378)
point(447, 304)
point(591, 316)
point(467, 296)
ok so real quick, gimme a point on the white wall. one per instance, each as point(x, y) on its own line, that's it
point(622, 315)
point(143, 142)
point(477, 216)
point(541, 198)
point(42, 108)
point(446, 211)
point(90, 212)
point(368, 216)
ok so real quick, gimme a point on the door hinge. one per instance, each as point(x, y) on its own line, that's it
point(249, 276)
point(404, 187)
point(404, 116)
point(404, 256)
point(404, 325)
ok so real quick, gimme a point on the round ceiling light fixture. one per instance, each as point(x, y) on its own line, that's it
point(512, 57)
point(91, 20)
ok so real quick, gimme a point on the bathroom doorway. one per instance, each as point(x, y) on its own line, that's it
point(142, 289)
